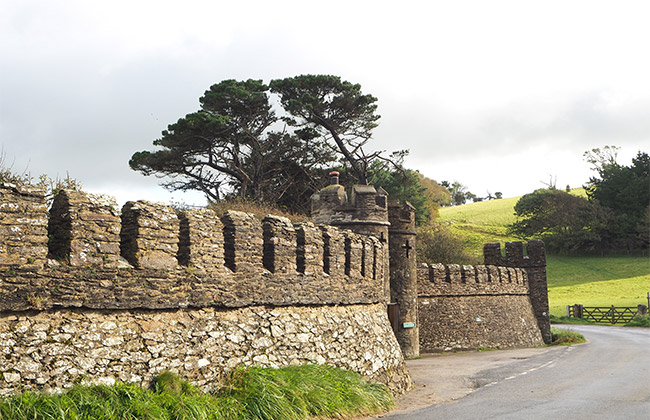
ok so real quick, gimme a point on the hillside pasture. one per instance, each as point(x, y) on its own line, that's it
point(597, 281)
point(589, 281)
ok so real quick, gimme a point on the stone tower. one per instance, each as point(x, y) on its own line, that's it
point(365, 212)
point(403, 275)
point(368, 212)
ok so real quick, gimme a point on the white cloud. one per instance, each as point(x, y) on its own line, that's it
point(490, 93)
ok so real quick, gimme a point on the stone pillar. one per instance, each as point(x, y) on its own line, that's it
point(200, 243)
point(149, 236)
point(403, 275)
point(537, 283)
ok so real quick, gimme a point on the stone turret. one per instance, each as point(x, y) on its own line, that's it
point(368, 212)
point(403, 275)
point(365, 212)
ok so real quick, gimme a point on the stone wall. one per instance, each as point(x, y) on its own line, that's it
point(127, 294)
point(468, 307)
point(449, 323)
point(54, 349)
point(532, 258)
point(166, 260)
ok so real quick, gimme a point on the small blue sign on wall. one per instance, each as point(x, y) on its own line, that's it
point(408, 324)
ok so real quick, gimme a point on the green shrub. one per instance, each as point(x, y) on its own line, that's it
point(438, 244)
point(639, 321)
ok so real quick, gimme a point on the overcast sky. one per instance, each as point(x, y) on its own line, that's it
point(499, 95)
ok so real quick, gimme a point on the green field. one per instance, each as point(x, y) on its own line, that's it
point(597, 281)
point(590, 281)
point(481, 222)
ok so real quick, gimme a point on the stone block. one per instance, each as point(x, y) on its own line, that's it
point(243, 242)
point(150, 235)
point(23, 222)
point(310, 249)
point(280, 245)
point(84, 229)
point(201, 240)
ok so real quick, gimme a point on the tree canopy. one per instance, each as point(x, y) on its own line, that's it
point(615, 214)
point(336, 111)
point(239, 144)
point(233, 146)
point(564, 221)
point(625, 191)
point(425, 194)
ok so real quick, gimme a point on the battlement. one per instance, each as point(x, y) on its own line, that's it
point(532, 254)
point(401, 217)
point(150, 255)
point(366, 205)
point(468, 280)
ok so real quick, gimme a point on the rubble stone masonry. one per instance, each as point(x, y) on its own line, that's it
point(125, 295)
point(490, 306)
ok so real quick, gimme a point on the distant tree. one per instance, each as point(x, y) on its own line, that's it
point(473, 197)
point(435, 193)
point(459, 193)
point(565, 222)
point(624, 190)
point(602, 158)
point(498, 195)
point(334, 110)
point(230, 147)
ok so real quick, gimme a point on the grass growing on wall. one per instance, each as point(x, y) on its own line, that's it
point(296, 392)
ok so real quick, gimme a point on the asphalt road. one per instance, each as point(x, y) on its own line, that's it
point(606, 378)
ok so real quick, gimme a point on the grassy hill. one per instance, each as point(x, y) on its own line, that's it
point(481, 222)
point(590, 281)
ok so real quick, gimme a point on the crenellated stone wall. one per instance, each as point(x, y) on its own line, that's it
point(490, 306)
point(127, 294)
point(92, 293)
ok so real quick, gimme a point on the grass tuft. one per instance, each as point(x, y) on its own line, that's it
point(570, 320)
point(291, 393)
point(562, 337)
